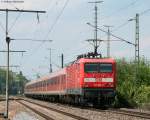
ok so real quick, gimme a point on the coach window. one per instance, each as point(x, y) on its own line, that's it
point(55, 81)
point(52, 81)
point(56, 78)
point(43, 83)
point(49, 81)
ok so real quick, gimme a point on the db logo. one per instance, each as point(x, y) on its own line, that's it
point(98, 79)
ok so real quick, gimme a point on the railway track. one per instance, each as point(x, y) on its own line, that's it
point(10, 98)
point(47, 117)
point(131, 113)
point(36, 111)
point(125, 112)
point(114, 111)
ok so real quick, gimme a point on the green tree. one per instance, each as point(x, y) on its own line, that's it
point(131, 90)
point(16, 82)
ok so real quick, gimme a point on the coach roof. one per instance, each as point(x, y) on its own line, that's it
point(51, 75)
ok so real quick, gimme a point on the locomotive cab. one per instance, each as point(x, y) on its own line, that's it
point(99, 75)
point(99, 79)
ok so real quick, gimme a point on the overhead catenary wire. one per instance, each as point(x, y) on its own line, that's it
point(50, 9)
point(125, 23)
point(120, 26)
point(51, 28)
point(121, 39)
point(13, 24)
point(144, 12)
point(57, 18)
point(121, 9)
point(19, 14)
point(1, 25)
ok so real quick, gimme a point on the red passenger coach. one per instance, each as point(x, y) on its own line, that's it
point(87, 80)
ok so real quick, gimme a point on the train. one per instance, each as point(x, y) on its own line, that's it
point(85, 81)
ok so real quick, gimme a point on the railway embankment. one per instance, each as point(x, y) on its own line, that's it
point(18, 112)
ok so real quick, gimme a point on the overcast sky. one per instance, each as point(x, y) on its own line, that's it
point(65, 24)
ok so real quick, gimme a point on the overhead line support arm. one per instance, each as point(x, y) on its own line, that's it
point(11, 10)
point(113, 35)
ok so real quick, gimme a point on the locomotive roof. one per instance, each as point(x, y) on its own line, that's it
point(105, 60)
point(84, 60)
point(46, 77)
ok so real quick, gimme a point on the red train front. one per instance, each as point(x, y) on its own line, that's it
point(87, 80)
point(94, 80)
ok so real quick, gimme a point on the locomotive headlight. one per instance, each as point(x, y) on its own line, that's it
point(89, 80)
point(107, 79)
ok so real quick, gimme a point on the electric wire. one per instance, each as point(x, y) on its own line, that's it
point(144, 12)
point(125, 23)
point(75, 53)
point(19, 14)
point(22, 64)
point(51, 8)
point(121, 9)
point(53, 25)
point(120, 26)
point(1, 25)
point(57, 18)
point(51, 28)
point(48, 11)
point(13, 24)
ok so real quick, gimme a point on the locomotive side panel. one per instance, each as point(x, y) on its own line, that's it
point(74, 79)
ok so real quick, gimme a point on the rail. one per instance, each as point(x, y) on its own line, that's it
point(37, 112)
point(55, 110)
point(131, 113)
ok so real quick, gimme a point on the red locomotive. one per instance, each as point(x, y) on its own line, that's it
point(87, 80)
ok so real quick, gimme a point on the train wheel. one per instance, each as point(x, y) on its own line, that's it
point(77, 100)
point(82, 101)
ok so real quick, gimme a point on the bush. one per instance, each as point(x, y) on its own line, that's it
point(132, 91)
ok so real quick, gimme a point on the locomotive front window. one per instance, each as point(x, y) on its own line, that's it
point(91, 67)
point(98, 67)
point(105, 67)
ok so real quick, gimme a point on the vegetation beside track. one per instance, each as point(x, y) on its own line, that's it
point(16, 82)
point(133, 91)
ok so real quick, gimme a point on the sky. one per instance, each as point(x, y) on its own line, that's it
point(65, 24)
